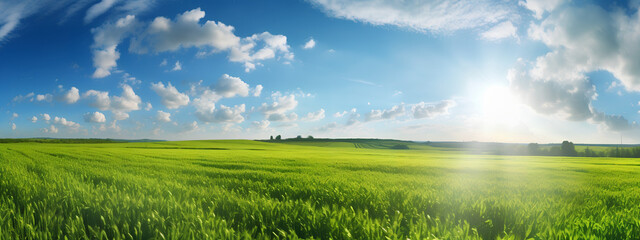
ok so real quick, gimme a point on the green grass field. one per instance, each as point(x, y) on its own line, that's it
point(249, 189)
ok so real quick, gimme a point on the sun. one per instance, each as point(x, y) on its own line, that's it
point(500, 107)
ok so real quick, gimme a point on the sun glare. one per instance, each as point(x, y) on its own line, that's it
point(500, 107)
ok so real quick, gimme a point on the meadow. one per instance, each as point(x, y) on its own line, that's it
point(312, 190)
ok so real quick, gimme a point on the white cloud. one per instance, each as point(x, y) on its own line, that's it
point(344, 113)
point(185, 31)
point(21, 98)
point(613, 44)
point(51, 129)
point(129, 101)
point(148, 107)
point(276, 111)
point(105, 40)
point(13, 126)
point(13, 12)
point(190, 127)
point(228, 86)
point(104, 60)
point(431, 110)
point(223, 114)
point(310, 44)
point(581, 39)
point(34, 119)
point(314, 116)
point(568, 99)
point(282, 117)
point(71, 96)
point(257, 90)
point(164, 62)
point(101, 100)
point(433, 16)
point(503, 30)
point(120, 115)
point(45, 117)
point(118, 105)
point(64, 122)
point(163, 116)
point(262, 125)
point(177, 66)
point(171, 97)
point(44, 97)
point(98, 9)
point(539, 7)
point(10, 18)
point(94, 117)
point(392, 113)
point(14, 115)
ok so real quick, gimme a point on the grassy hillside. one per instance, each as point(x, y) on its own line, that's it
point(251, 189)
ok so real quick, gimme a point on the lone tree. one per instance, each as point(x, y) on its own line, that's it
point(278, 137)
point(568, 149)
point(310, 137)
point(271, 138)
point(299, 137)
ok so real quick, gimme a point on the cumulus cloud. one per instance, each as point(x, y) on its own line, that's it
point(262, 125)
point(228, 86)
point(105, 41)
point(50, 129)
point(343, 113)
point(314, 116)
point(569, 99)
point(257, 91)
point(503, 30)
point(588, 38)
point(13, 126)
point(94, 117)
point(177, 66)
point(163, 116)
point(185, 31)
point(222, 114)
point(120, 115)
point(431, 110)
point(539, 7)
point(34, 119)
point(64, 122)
point(44, 97)
point(70, 96)
point(277, 110)
point(171, 97)
point(119, 105)
point(45, 117)
point(435, 16)
point(391, 113)
point(310, 44)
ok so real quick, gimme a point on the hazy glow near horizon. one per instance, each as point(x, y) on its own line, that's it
point(387, 69)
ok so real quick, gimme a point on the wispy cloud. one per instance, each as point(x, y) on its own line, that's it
point(363, 82)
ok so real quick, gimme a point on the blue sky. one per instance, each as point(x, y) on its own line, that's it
point(512, 71)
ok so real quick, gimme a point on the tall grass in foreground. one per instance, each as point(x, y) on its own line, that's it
point(245, 190)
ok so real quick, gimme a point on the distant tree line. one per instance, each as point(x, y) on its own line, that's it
point(568, 149)
point(299, 137)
